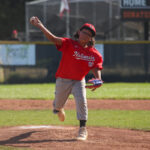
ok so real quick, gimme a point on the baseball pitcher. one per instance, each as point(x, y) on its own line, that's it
point(79, 56)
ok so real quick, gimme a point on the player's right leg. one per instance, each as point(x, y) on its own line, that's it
point(62, 91)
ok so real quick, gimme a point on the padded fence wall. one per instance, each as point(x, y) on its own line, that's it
point(125, 61)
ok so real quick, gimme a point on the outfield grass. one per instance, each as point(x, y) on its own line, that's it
point(107, 91)
point(107, 118)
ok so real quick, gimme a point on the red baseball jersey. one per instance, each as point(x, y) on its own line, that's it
point(77, 61)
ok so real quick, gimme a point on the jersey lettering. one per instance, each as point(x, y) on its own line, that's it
point(81, 56)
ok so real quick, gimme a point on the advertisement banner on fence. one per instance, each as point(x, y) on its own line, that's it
point(14, 54)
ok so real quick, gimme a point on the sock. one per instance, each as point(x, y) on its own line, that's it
point(82, 123)
point(55, 111)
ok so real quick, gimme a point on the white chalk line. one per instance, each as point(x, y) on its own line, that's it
point(45, 127)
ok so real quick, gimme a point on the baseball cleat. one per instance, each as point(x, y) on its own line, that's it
point(83, 134)
point(61, 115)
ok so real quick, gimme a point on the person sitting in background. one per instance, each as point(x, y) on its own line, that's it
point(14, 35)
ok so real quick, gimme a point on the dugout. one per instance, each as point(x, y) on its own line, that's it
point(123, 62)
point(127, 61)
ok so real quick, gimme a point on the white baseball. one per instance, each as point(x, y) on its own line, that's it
point(32, 19)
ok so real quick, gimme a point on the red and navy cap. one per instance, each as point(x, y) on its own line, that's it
point(89, 27)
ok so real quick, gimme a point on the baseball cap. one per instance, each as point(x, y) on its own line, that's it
point(14, 32)
point(89, 27)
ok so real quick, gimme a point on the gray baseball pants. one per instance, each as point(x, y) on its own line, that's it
point(65, 87)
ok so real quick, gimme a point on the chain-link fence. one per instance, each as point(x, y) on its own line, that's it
point(104, 14)
point(127, 61)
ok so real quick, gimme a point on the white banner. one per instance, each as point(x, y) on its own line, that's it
point(100, 48)
point(21, 54)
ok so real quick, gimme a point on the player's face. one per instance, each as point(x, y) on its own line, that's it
point(85, 35)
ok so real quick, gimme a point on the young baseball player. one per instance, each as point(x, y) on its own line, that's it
point(78, 57)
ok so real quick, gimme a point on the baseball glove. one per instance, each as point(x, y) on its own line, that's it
point(93, 84)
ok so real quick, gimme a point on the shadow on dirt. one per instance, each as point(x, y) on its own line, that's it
point(19, 139)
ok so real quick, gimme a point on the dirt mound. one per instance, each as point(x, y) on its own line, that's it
point(60, 138)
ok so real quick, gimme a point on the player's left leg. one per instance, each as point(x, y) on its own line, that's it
point(62, 91)
point(79, 93)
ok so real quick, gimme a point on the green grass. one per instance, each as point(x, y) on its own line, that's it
point(107, 118)
point(107, 91)
point(122, 91)
point(27, 91)
point(12, 148)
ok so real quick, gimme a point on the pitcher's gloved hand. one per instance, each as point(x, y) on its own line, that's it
point(93, 84)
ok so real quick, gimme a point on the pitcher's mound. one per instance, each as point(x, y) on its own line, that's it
point(64, 138)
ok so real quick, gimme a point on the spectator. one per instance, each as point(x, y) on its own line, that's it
point(14, 35)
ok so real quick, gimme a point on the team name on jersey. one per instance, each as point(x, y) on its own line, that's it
point(81, 56)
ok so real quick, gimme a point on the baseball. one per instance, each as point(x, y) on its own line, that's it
point(32, 19)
